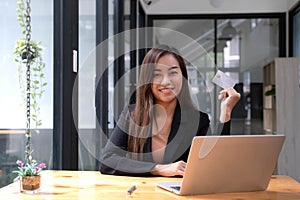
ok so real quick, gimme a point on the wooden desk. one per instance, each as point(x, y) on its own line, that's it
point(5, 132)
point(91, 185)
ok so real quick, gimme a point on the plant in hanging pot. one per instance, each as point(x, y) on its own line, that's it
point(32, 84)
point(28, 53)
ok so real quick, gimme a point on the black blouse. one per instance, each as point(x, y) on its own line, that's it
point(186, 124)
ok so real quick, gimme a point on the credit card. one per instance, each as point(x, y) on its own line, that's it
point(223, 80)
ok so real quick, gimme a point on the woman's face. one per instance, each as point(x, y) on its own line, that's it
point(167, 79)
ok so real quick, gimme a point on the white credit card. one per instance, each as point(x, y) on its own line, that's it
point(223, 80)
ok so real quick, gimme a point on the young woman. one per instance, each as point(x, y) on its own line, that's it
point(153, 137)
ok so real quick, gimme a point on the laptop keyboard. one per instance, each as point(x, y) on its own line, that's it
point(176, 187)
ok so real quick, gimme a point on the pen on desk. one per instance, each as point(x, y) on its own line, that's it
point(131, 189)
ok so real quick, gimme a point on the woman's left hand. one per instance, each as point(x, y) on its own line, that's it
point(229, 97)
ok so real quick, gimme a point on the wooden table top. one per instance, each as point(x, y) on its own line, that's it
point(93, 185)
point(6, 132)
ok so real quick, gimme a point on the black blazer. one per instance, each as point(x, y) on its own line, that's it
point(186, 124)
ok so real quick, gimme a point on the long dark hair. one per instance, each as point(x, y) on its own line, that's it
point(139, 126)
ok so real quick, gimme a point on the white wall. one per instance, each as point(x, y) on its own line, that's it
point(288, 115)
point(258, 47)
point(291, 3)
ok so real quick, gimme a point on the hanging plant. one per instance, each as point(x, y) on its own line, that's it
point(28, 55)
point(32, 57)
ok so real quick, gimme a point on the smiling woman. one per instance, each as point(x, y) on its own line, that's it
point(153, 137)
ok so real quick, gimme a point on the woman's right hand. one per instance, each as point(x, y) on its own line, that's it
point(173, 169)
point(229, 99)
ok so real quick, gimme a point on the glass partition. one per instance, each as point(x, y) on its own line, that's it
point(238, 47)
point(89, 135)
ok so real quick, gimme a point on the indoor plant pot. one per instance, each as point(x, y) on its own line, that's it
point(30, 184)
point(30, 178)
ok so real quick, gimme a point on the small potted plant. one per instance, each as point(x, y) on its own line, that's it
point(29, 173)
point(32, 83)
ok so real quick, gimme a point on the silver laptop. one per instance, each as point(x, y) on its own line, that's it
point(236, 163)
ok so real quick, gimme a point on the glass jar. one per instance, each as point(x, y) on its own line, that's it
point(30, 184)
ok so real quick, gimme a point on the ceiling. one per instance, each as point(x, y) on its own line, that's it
point(215, 6)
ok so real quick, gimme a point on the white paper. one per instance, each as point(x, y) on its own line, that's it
point(223, 80)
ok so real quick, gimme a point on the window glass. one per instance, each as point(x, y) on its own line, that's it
point(13, 116)
point(86, 85)
point(87, 70)
point(243, 46)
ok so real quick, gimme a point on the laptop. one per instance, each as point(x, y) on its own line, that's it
point(236, 163)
